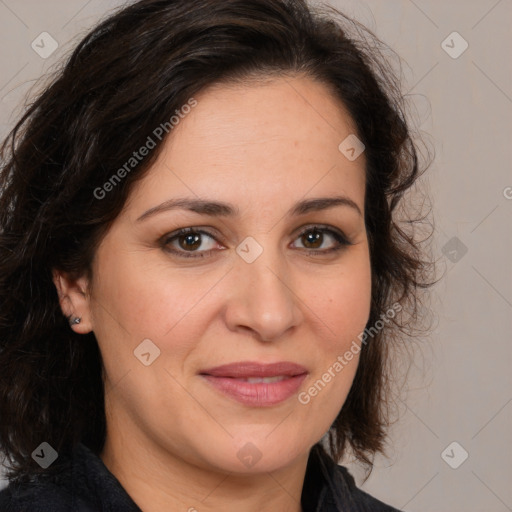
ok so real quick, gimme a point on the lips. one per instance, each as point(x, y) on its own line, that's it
point(255, 384)
point(250, 369)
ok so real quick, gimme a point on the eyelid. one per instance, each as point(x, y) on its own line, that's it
point(342, 240)
point(326, 228)
point(169, 237)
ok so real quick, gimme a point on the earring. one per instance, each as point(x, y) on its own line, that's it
point(75, 321)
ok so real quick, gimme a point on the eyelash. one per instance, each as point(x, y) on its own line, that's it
point(341, 240)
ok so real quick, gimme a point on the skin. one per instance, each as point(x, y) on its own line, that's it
point(172, 439)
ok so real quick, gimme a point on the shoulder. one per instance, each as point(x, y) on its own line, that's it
point(80, 482)
point(34, 497)
point(42, 493)
point(364, 500)
point(331, 488)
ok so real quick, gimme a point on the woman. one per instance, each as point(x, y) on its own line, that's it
point(201, 273)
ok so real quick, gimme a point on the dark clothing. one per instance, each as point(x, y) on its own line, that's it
point(86, 485)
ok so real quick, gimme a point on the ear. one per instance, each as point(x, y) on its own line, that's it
point(74, 300)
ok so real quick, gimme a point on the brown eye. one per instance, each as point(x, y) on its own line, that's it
point(190, 241)
point(187, 243)
point(314, 237)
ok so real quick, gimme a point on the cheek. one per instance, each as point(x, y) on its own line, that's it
point(343, 306)
point(343, 302)
point(139, 298)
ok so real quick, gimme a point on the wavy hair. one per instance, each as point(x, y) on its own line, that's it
point(127, 76)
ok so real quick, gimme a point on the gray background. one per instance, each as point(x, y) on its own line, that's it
point(459, 387)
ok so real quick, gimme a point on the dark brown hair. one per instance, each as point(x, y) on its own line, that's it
point(125, 78)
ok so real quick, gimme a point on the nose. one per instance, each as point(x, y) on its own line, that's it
point(263, 298)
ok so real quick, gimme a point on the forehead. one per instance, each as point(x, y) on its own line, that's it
point(284, 107)
point(282, 135)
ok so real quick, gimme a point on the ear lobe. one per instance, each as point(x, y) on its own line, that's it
point(73, 300)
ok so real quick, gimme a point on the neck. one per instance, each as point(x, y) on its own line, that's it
point(158, 481)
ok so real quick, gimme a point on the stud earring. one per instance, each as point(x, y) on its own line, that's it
point(75, 321)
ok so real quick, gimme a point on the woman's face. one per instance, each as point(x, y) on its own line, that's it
point(242, 286)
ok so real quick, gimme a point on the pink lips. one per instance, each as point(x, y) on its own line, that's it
point(230, 379)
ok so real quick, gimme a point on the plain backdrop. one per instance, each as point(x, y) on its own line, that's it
point(459, 389)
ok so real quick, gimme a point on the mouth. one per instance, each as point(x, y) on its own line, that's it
point(255, 384)
point(266, 380)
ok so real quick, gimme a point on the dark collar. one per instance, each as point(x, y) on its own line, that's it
point(327, 486)
point(82, 483)
point(93, 483)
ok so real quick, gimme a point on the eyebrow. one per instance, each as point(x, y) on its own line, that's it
point(220, 209)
